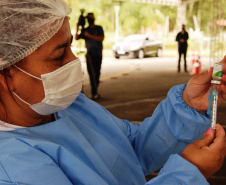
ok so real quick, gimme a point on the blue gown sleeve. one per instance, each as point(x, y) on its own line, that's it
point(178, 171)
point(171, 128)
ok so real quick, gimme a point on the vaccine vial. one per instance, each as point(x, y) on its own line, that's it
point(217, 73)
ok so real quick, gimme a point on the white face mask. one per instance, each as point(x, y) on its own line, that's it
point(61, 87)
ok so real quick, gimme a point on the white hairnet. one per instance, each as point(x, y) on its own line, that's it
point(27, 24)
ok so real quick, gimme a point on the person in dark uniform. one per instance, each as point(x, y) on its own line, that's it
point(182, 38)
point(93, 36)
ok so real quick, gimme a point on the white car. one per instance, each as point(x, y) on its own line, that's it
point(137, 45)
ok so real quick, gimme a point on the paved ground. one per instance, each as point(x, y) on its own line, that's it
point(131, 89)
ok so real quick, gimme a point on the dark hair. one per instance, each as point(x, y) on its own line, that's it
point(90, 13)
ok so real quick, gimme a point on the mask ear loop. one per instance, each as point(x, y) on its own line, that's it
point(21, 99)
point(28, 73)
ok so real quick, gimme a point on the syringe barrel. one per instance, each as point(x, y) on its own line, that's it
point(214, 112)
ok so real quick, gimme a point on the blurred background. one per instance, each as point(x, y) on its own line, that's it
point(205, 22)
point(131, 87)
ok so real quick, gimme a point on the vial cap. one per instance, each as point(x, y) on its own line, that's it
point(217, 82)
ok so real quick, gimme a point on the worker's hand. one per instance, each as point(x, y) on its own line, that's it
point(207, 153)
point(197, 90)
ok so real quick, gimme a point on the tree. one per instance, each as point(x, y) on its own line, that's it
point(201, 9)
point(135, 16)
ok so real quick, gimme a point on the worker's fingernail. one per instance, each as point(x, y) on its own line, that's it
point(209, 71)
point(223, 86)
point(208, 131)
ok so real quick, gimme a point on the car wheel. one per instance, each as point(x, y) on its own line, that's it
point(140, 53)
point(159, 52)
point(116, 56)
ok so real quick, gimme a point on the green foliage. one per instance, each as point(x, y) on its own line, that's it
point(103, 13)
point(135, 16)
point(206, 12)
point(138, 17)
point(170, 11)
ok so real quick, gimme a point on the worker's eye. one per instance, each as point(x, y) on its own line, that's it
point(60, 58)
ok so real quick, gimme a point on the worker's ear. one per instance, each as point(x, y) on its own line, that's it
point(2, 79)
point(5, 73)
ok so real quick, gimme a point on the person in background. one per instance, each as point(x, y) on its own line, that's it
point(93, 36)
point(182, 38)
point(51, 134)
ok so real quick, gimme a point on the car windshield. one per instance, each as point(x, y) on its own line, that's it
point(134, 38)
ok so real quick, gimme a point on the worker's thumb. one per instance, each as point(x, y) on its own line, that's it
point(204, 77)
point(207, 138)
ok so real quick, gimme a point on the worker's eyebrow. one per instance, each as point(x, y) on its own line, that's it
point(63, 45)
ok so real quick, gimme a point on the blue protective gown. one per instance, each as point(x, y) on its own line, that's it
point(88, 145)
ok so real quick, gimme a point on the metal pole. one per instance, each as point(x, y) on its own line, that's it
point(117, 8)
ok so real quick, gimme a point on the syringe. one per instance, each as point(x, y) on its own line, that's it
point(215, 82)
point(214, 110)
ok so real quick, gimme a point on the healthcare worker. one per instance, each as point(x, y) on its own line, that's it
point(51, 134)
